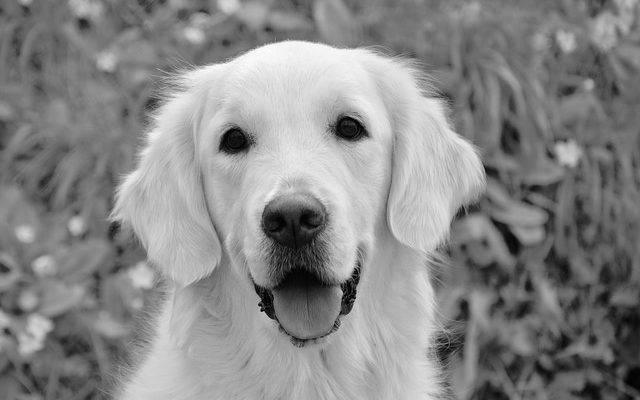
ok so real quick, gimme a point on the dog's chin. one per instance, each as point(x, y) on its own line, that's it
point(306, 308)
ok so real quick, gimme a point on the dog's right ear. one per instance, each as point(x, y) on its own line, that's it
point(434, 170)
point(163, 199)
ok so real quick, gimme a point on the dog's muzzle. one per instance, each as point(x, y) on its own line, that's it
point(304, 301)
point(307, 308)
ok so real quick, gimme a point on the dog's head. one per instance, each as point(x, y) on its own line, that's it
point(289, 160)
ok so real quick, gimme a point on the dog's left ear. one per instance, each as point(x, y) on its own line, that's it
point(434, 170)
point(163, 199)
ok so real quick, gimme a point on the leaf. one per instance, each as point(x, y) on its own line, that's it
point(114, 292)
point(579, 107)
point(336, 23)
point(104, 324)
point(21, 140)
point(464, 373)
point(480, 302)
point(75, 366)
point(73, 166)
point(567, 381)
point(10, 272)
point(83, 259)
point(480, 254)
point(9, 387)
point(58, 298)
point(582, 271)
point(548, 297)
point(287, 21)
point(504, 209)
point(626, 296)
point(542, 171)
point(485, 243)
point(465, 376)
point(519, 339)
point(491, 137)
point(528, 235)
point(448, 80)
point(502, 161)
point(135, 56)
point(630, 53)
point(497, 193)
point(600, 351)
point(7, 112)
point(503, 71)
point(57, 115)
point(620, 70)
point(254, 14)
point(16, 209)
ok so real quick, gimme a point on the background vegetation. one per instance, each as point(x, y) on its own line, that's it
point(542, 293)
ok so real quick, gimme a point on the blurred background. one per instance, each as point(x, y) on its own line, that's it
point(541, 292)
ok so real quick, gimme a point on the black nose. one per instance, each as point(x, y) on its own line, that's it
point(293, 219)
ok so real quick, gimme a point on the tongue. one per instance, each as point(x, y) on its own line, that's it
point(305, 308)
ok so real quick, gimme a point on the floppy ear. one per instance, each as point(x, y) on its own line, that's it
point(163, 199)
point(434, 170)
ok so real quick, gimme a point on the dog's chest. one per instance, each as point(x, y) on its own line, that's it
point(292, 380)
point(333, 374)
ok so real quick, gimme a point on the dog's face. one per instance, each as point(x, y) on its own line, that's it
point(304, 159)
point(290, 160)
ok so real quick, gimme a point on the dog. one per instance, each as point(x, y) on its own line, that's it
point(291, 197)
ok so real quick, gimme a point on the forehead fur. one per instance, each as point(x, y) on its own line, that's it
point(293, 67)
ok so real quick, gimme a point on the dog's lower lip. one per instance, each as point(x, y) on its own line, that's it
point(349, 292)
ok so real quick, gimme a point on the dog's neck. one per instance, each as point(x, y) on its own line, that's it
point(380, 350)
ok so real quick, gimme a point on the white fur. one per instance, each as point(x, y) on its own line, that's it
point(197, 212)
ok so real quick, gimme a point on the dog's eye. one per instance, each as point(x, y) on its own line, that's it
point(350, 129)
point(234, 141)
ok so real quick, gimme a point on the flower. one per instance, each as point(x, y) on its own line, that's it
point(229, 6)
point(604, 32)
point(25, 233)
point(107, 61)
point(568, 153)
point(39, 325)
point(28, 300)
point(44, 266)
point(141, 276)
point(566, 40)
point(588, 85)
point(77, 225)
point(89, 9)
point(540, 41)
point(470, 11)
point(32, 338)
point(194, 35)
point(28, 345)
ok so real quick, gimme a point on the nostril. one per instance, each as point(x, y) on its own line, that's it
point(311, 219)
point(274, 223)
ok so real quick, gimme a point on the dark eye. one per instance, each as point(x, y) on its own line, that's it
point(234, 141)
point(350, 129)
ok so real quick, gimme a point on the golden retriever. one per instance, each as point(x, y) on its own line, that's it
point(291, 197)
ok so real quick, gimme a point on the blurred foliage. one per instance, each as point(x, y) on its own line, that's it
point(544, 271)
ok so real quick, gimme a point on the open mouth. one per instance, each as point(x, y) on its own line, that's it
point(307, 308)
